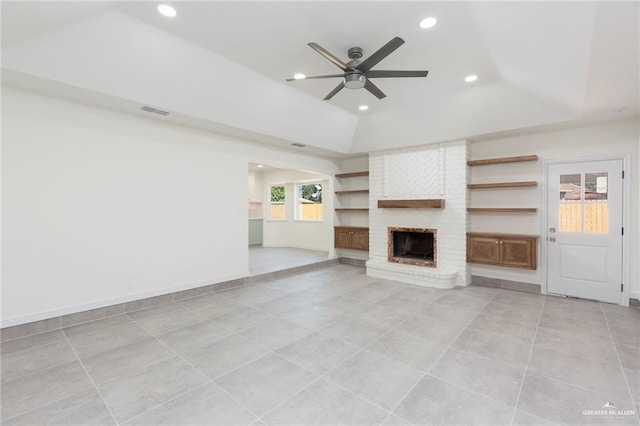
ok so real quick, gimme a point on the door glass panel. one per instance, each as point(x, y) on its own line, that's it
point(596, 209)
point(570, 205)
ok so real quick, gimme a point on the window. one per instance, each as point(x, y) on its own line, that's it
point(583, 203)
point(277, 209)
point(309, 202)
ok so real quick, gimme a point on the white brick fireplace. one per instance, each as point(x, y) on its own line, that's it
point(436, 171)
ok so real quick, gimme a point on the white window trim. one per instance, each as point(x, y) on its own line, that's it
point(270, 219)
point(297, 203)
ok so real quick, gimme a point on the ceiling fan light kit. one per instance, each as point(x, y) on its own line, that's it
point(355, 81)
point(357, 74)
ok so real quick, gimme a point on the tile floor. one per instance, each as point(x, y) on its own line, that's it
point(333, 346)
point(270, 259)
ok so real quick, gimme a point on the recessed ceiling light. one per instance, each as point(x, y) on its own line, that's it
point(363, 107)
point(167, 10)
point(260, 166)
point(470, 78)
point(299, 76)
point(428, 22)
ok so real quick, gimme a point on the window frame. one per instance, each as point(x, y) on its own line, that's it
point(284, 202)
point(297, 201)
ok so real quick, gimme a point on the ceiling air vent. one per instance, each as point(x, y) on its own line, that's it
point(154, 110)
point(299, 145)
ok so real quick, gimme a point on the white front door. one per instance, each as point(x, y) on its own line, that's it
point(584, 235)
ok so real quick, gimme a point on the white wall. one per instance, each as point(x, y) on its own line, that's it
point(101, 207)
point(584, 142)
point(292, 232)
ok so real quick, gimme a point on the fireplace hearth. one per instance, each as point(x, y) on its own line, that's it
point(412, 246)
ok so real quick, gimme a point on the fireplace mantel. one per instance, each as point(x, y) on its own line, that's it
point(434, 203)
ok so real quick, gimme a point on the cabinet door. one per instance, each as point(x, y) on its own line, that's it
point(342, 238)
point(255, 232)
point(483, 250)
point(360, 240)
point(518, 253)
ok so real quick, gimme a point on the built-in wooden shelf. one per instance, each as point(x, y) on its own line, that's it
point(353, 191)
point(501, 185)
point(352, 209)
point(352, 174)
point(487, 161)
point(501, 210)
point(411, 204)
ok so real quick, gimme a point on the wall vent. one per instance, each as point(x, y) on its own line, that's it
point(154, 110)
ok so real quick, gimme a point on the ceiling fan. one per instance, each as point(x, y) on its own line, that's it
point(357, 73)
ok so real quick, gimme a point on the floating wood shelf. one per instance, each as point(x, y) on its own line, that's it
point(353, 209)
point(487, 161)
point(411, 204)
point(353, 191)
point(501, 210)
point(353, 174)
point(501, 185)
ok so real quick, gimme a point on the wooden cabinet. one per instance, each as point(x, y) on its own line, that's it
point(514, 251)
point(351, 237)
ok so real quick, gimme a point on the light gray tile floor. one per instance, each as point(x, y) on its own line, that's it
point(334, 346)
point(270, 259)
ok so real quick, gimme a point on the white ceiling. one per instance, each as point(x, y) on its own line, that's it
point(223, 65)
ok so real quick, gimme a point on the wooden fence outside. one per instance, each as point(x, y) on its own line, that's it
point(596, 216)
point(307, 212)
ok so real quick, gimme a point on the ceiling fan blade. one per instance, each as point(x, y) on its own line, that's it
point(315, 77)
point(380, 54)
point(374, 90)
point(389, 74)
point(331, 94)
point(337, 62)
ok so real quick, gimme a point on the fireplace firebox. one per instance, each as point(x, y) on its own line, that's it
point(412, 246)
